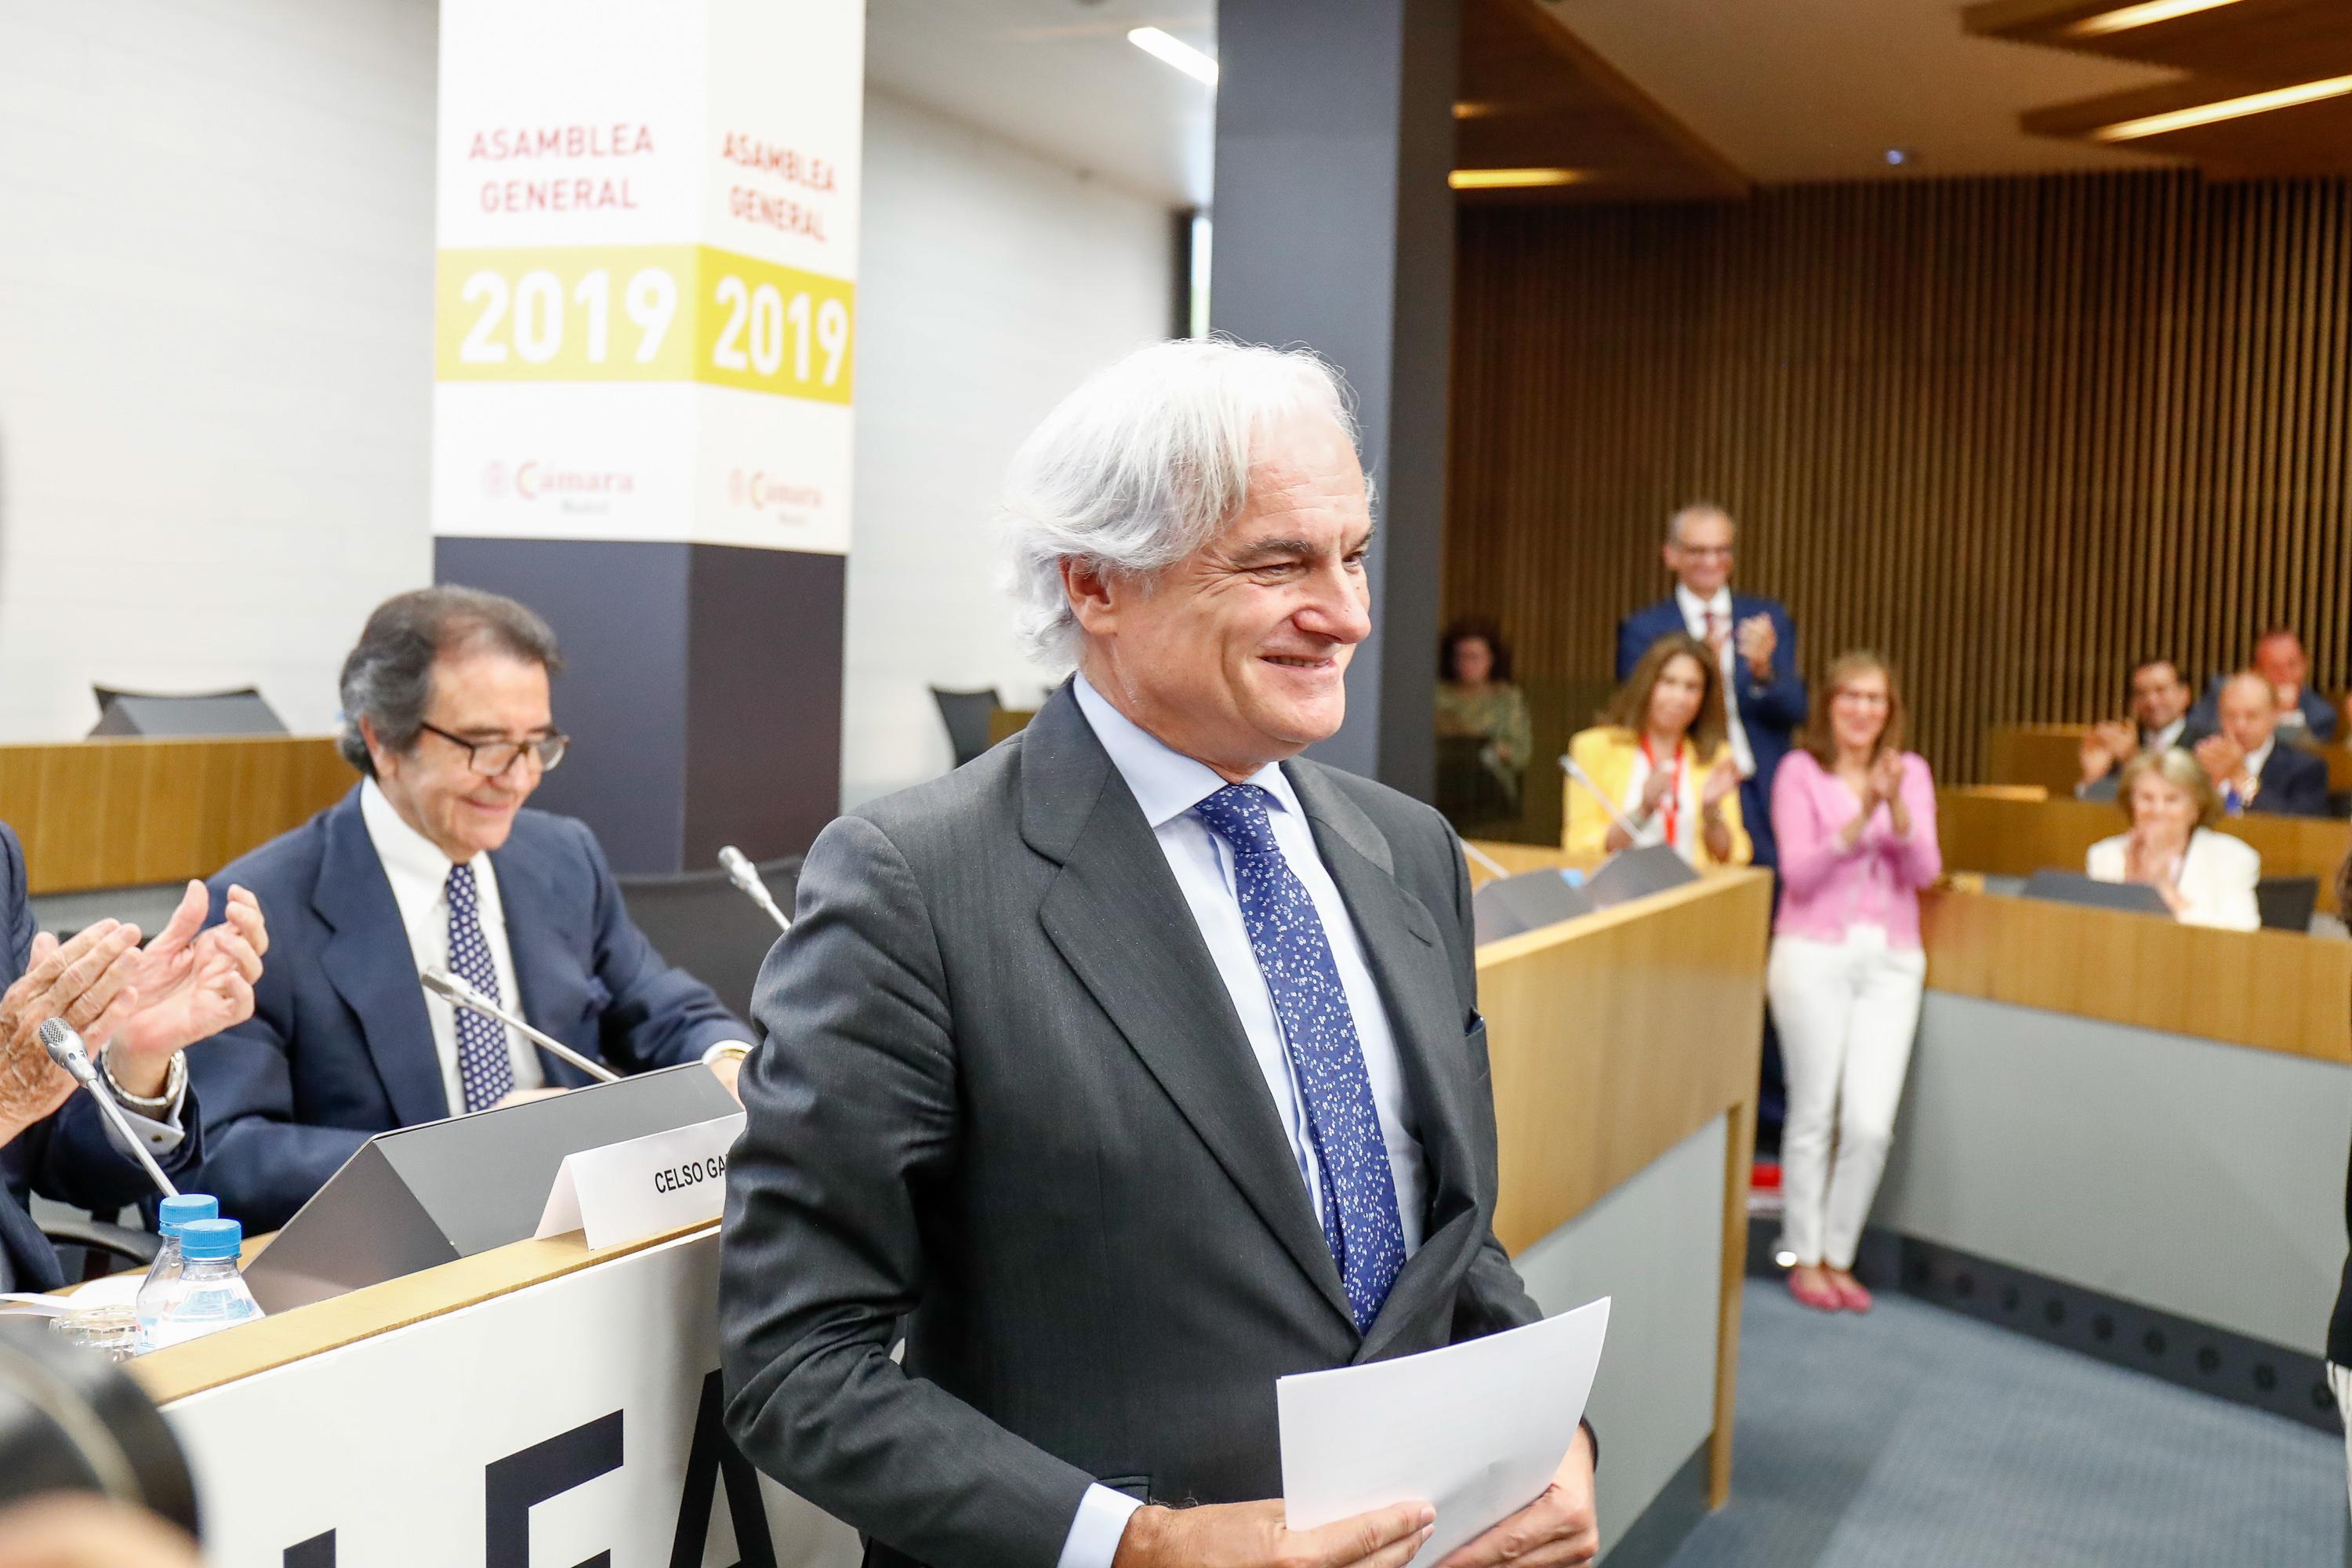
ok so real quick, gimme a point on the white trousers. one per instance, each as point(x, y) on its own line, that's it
point(2339, 1379)
point(1846, 1012)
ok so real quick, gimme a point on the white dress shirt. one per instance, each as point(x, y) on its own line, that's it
point(1168, 786)
point(2164, 740)
point(419, 875)
point(1696, 611)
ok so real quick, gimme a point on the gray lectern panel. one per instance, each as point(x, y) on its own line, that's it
point(1528, 901)
point(432, 1194)
point(1637, 873)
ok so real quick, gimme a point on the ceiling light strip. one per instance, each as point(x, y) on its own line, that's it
point(2226, 109)
point(1173, 50)
point(1511, 179)
point(2142, 16)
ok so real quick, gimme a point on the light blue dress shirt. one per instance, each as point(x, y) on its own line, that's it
point(1168, 786)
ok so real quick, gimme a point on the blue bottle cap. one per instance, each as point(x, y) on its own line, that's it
point(209, 1238)
point(173, 1213)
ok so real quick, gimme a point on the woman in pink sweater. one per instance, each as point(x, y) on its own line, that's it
point(1855, 816)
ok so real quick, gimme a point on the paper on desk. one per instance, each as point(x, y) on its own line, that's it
point(1475, 1430)
point(35, 1305)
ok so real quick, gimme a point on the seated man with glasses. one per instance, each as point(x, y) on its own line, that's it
point(432, 861)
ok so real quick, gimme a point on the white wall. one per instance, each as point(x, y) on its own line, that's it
point(991, 281)
point(215, 343)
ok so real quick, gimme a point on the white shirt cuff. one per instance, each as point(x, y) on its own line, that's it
point(1094, 1533)
point(161, 1137)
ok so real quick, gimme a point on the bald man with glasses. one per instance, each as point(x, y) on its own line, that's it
point(433, 861)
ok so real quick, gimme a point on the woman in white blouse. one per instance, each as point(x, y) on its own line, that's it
point(2205, 878)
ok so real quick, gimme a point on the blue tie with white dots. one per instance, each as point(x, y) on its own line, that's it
point(1294, 953)
point(484, 1067)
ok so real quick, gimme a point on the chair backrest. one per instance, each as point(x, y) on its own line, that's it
point(2287, 902)
point(966, 716)
point(239, 712)
point(702, 922)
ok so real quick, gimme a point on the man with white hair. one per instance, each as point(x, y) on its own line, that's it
point(1136, 1064)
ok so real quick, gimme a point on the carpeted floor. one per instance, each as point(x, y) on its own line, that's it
point(1915, 1438)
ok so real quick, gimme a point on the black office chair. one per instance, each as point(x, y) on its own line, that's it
point(703, 923)
point(243, 711)
point(2287, 902)
point(966, 716)
point(90, 1247)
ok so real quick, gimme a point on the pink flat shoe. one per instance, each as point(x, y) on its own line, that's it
point(1850, 1292)
point(1807, 1286)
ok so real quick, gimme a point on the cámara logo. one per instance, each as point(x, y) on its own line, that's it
point(764, 491)
point(572, 490)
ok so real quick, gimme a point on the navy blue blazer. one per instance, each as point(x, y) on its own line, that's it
point(68, 1156)
point(2295, 782)
point(339, 1048)
point(1769, 711)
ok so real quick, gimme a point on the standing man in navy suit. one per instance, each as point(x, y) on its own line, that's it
point(432, 862)
point(1753, 637)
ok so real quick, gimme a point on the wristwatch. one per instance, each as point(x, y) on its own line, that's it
point(725, 1051)
point(157, 1107)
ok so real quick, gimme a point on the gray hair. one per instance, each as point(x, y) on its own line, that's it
point(1143, 465)
point(1692, 513)
point(388, 678)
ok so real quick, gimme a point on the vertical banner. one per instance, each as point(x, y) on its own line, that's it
point(645, 309)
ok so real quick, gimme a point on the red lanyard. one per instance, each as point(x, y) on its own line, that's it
point(1674, 801)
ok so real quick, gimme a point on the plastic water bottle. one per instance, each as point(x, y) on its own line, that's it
point(212, 1293)
point(161, 1286)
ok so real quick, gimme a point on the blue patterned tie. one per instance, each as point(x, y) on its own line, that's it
point(484, 1067)
point(1359, 1201)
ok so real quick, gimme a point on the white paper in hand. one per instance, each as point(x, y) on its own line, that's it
point(1476, 1430)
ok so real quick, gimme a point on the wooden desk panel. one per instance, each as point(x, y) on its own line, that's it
point(1613, 1038)
point(2050, 755)
point(2000, 833)
point(120, 813)
point(2267, 990)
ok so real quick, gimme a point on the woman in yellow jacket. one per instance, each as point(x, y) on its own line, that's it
point(1660, 755)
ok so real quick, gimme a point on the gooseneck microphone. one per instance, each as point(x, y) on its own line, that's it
point(441, 983)
point(65, 1050)
point(746, 876)
point(1570, 766)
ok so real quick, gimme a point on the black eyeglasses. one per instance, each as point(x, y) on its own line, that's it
point(491, 758)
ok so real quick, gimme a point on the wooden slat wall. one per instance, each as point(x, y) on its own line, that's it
point(2013, 432)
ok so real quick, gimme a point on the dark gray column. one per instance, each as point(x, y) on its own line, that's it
point(1335, 229)
point(702, 690)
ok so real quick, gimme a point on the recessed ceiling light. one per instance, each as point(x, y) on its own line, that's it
point(2226, 109)
point(2142, 16)
point(1176, 52)
point(1897, 156)
point(1511, 179)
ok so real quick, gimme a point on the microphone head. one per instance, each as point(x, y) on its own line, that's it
point(64, 1046)
point(441, 983)
point(737, 865)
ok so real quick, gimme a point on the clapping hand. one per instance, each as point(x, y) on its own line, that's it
point(2106, 745)
point(1886, 776)
point(1660, 784)
point(192, 984)
point(2221, 757)
point(1721, 780)
point(83, 982)
point(1757, 642)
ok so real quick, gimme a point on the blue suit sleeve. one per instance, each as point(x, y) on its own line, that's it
point(1780, 703)
point(2319, 716)
point(17, 890)
point(660, 1016)
point(1630, 645)
point(258, 1161)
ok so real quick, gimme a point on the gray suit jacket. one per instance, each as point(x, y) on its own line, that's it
point(1002, 1093)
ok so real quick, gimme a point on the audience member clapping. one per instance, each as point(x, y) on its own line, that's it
point(2252, 769)
point(2204, 878)
point(2160, 718)
point(1660, 757)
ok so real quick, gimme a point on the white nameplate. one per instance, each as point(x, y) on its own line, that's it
point(625, 1191)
